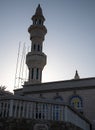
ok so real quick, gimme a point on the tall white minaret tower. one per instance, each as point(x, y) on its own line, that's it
point(36, 59)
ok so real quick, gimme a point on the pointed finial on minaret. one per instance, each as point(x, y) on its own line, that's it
point(38, 14)
point(39, 10)
point(76, 75)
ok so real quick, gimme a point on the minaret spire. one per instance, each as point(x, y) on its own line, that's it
point(39, 10)
point(36, 59)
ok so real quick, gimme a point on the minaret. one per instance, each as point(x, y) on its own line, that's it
point(36, 59)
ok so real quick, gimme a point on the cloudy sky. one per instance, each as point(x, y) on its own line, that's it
point(69, 43)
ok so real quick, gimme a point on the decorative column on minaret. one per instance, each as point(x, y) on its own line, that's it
point(36, 59)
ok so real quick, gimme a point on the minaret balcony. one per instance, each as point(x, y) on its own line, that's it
point(36, 60)
point(37, 31)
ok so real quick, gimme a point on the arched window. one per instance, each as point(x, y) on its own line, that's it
point(76, 102)
point(37, 73)
point(40, 22)
point(32, 73)
point(35, 21)
point(38, 47)
point(34, 47)
point(58, 97)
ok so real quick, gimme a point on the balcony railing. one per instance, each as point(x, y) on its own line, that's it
point(40, 109)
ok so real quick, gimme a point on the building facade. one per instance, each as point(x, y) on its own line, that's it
point(77, 93)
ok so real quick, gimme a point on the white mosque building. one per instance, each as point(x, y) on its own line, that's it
point(69, 101)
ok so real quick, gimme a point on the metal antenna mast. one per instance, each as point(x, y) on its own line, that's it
point(17, 65)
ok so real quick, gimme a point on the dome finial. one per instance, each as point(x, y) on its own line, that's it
point(76, 75)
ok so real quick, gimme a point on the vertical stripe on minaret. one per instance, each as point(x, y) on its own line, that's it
point(36, 59)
